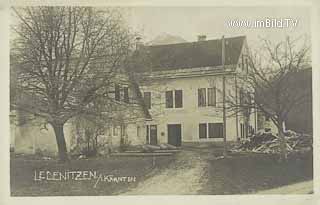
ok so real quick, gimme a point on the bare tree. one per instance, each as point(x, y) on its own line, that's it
point(270, 85)
point(65, 58)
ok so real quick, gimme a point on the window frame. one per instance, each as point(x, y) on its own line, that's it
point(214, 103)
point(173, 103)
point(169, 102)
point(180, 105)
point(215, 130)
point(147, 103)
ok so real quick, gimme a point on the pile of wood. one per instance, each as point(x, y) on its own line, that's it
point(267, 142)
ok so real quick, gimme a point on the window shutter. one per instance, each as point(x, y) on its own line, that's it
point(117, 92)
point(202, 130)
point(201, 97)
point(147, 99)
point(126, 94)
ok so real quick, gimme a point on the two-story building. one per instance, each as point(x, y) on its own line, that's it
point(184, 86)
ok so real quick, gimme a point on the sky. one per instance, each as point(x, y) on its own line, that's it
point(189, 22)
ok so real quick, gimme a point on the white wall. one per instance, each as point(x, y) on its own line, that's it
point(190, 115)
point(31, 137)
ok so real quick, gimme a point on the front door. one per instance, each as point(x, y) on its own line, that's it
point(152, 134)
point(174, 134)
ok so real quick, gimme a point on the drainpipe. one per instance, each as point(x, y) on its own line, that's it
point(236, 96)
point(224, 99)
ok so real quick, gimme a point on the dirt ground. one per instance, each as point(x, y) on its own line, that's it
point(182, 177)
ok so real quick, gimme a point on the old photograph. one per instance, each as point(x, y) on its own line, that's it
point(142, 100)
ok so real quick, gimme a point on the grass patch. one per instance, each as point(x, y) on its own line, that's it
point(248, 173)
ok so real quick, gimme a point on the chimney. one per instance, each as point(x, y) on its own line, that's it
point(202, 37)
point(139, 44)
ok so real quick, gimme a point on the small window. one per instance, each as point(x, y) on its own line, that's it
point(147, 99)
point(215, 130)
point(108, 131)
point(169, 99)
point(211, 96)
point(201, 97)
point(115, 130)
point(117, 92)
point(126, 94)
point(202, 130)
point(178, 98)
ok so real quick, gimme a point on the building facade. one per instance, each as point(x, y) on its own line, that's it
point(184, 91)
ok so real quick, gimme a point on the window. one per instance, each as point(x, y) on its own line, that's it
point(178, 98)
point(117, 92)
point(126, 94)
point(210, 130)
point(202, 130)
point(215, 130)
point(108, 131)
point(205, 94)
point(211, 96)
point(174, 99)
point(201, 97)
point(121, 93)
point(244, 129)
point(169, 99)
point(147, 99)
point(115, 130)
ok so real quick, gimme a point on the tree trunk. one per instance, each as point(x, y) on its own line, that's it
point(283, 146)
point(61, 142)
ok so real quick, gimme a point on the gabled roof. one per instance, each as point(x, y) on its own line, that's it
point(194, 54)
